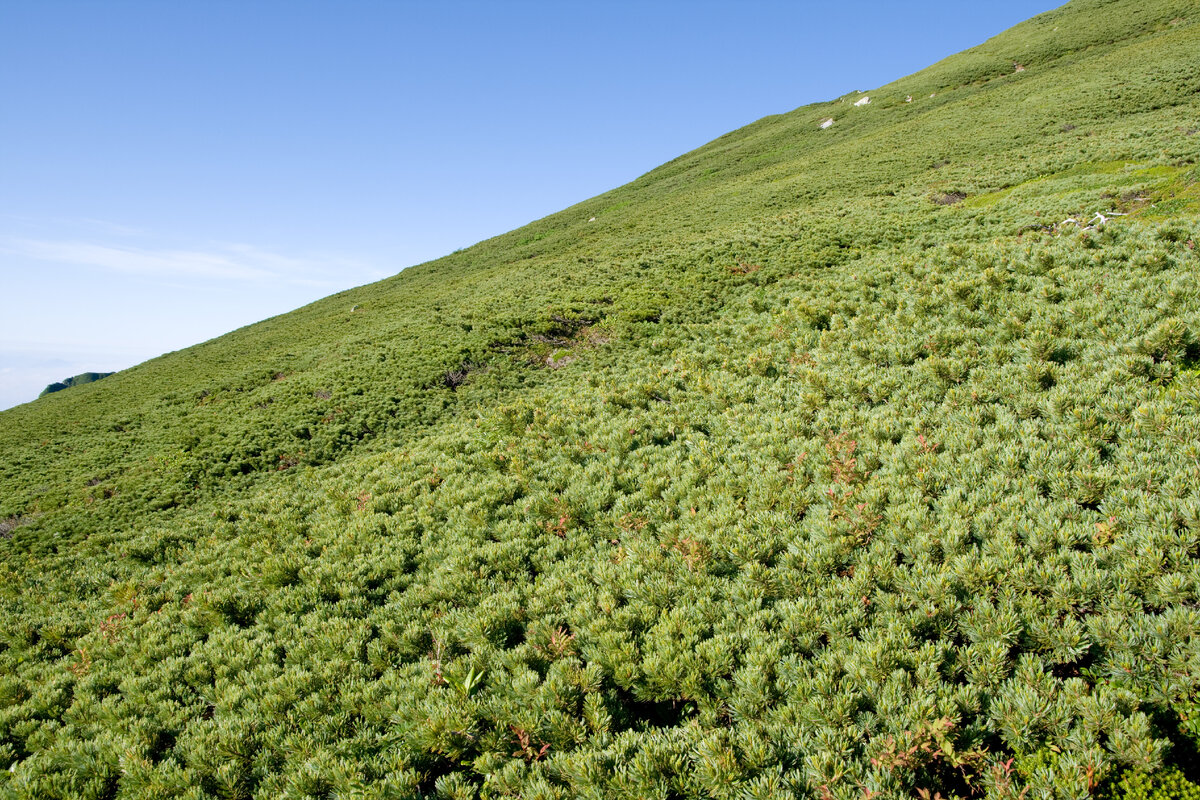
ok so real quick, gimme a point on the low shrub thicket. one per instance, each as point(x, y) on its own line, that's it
point(776, 479)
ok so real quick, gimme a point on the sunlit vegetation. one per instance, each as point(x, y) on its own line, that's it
point(833, 463)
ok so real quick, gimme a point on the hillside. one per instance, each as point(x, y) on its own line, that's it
point(76, 380)
point(825, 462)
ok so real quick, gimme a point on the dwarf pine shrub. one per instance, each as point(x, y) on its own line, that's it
point(778, 479)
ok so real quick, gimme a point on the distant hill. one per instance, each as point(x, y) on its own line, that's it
point(826, 460)
point(67, 383)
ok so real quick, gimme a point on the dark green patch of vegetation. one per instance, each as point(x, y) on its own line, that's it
point(78, 380)
point(775, 479)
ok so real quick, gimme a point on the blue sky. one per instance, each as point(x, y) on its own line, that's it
point(171, 171)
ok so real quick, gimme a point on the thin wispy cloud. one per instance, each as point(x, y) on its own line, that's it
point(113, 228)
point(225, 262)
point(92, 225)
point(18, 349)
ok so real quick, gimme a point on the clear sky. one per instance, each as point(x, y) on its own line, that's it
point(170, 171)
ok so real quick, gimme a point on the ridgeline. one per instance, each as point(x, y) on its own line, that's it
point(827, 460)
point(77, 380)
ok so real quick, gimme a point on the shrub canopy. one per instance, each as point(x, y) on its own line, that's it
point(829, 462)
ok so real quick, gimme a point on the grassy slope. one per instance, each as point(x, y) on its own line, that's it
point(263, 564)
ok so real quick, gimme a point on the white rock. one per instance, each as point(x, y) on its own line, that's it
point(908, 99)
point(864, 101)
point(826, 123)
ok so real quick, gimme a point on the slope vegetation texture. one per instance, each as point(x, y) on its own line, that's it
point(829, 461)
